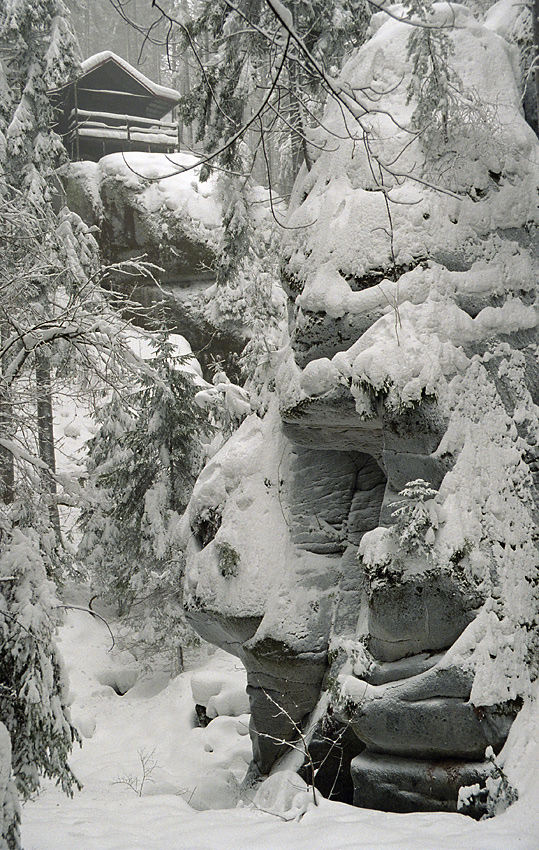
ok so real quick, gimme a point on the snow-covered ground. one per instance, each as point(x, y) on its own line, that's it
point(156, 718)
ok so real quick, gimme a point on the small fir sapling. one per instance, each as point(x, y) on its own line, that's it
point(494, 797)
point(413, 533)
point(226, 403)
point(155, 630)
point(416, 518)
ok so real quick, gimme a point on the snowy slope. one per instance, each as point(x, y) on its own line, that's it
point(157, 716)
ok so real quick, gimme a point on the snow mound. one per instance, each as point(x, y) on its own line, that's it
point(109, 816)
point(285, 794)
point(166, 182)
point(219, 789)
point(221, 693)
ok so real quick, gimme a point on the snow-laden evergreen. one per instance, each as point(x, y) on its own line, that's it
point(41, 54)
point(142, 463)
point(34, 686)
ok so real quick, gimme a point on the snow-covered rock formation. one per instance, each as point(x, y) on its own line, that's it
point(412, 366)
point(146, 207)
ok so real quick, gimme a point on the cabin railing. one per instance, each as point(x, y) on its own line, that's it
point(128, 128)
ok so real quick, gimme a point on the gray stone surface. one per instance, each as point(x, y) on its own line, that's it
point(396, 784)
point(334, 424)
point(428, 716)
point(128, 227)
point(333, 497)
point(277, 714)
point(315, 335)
point(381, 672)
point(227, 632)
point(350, 599)
point(419, 613)
point(283, 685)
point(417, 429)
point(404, 466)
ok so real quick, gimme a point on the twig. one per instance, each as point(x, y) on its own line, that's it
point(94, 614)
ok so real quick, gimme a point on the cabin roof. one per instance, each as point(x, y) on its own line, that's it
point(93, 63)
point(119, 86)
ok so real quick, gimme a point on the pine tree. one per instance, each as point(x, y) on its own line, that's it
point(33, 687)
point(143, 463)
point(40, 52)
point(37, 50)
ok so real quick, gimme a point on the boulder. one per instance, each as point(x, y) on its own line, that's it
point(426, 611)
point(426, 716)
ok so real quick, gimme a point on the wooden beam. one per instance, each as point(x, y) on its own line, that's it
point(120, 93)
point(117, 116)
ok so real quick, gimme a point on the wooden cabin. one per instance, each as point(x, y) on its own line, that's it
point(112, 107)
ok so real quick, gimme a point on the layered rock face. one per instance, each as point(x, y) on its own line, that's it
point(268, 528)
point(382, 519)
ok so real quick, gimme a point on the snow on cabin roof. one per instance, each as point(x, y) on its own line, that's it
point(99, 59)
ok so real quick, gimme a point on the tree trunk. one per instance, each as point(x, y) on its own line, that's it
point(87, 29)
point(7, 465)
point(535, 18)
point(296, 121)
point(45, 436)
point(297, 139)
